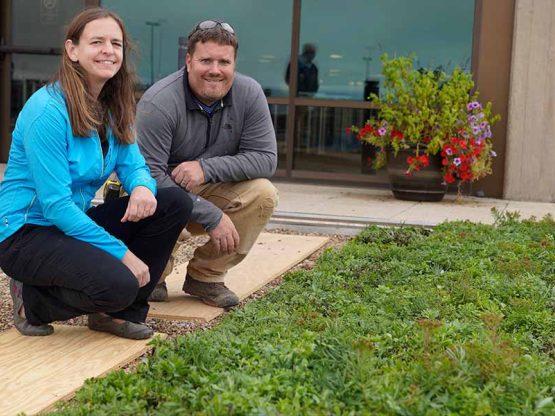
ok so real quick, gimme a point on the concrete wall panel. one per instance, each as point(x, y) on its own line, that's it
point(530, 160)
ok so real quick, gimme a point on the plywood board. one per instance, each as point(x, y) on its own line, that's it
point(272, 255)
point(35, 372)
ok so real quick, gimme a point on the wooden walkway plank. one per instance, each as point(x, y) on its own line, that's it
point(272, 255)
point(35, 372)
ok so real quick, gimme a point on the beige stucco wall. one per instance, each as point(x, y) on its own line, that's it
point(530, 161)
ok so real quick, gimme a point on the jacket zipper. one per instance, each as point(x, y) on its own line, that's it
point(102, 161)
point(82, 197)
point(208, 128)
point(209, 121)
point(30, 206)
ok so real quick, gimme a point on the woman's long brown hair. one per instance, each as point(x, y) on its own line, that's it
point(115, 105)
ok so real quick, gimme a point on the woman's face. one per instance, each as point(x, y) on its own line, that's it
point(99, 51)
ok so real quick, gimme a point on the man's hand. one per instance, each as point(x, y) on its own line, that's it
point(225, 236)
point(137, 267)
point(142, 204)
point(188, 175)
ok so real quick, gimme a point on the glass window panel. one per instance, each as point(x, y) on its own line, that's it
point(37, 24)
point(279, 118)
point(30, 72)
point(351, 35)
point(42, 24)
point(322, 144)
point(262, 26)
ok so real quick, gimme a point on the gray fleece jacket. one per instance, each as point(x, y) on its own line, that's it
point(236, 143)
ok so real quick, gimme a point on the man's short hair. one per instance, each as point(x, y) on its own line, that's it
point(216, 34)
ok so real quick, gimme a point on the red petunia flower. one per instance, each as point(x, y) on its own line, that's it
point(397, 135)
point(424, 159)
point(449, 178)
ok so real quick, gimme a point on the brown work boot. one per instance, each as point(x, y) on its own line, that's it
point(213, 293)
point(159, 294)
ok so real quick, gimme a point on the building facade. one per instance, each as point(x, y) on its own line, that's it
point(317, 61)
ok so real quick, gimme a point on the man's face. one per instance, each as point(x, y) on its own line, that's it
point(211, 70)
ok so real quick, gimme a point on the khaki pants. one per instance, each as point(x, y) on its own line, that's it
point(249, 204)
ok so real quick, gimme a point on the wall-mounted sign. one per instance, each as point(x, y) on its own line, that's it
point(49, 12)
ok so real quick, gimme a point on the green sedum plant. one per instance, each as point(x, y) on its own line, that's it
point(431, 113)
point(400, 321)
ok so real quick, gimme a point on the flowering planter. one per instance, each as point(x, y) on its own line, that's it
point(426, 184)
point(421, 107)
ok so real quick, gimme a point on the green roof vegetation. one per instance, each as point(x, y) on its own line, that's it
point(400, 321)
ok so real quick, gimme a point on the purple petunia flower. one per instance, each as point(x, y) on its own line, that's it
point(472, 119)
point(449, 151)
point(470, 106)
point(475, 129)
point(382, 131)
point(483, 125)
point(480, 115)
point(476, 104)
point(479, 140)
point(457, 161)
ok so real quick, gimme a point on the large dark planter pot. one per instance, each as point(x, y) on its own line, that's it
point(424, 185)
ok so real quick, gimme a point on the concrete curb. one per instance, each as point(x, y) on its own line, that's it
point(334, 224)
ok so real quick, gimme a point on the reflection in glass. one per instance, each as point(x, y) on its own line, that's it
point(38, 24)
point(322, 144)
point(29, 73)
point(278, 113)
point(307, 72)
point(351, 35)
point(263, 29)
point(41, 24)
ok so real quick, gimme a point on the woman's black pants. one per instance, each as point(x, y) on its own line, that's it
point(64, 277)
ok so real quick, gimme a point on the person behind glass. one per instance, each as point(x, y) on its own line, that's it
point(307, 78)
point(207, 130)
point(65, 258)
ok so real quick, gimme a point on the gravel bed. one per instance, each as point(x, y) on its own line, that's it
point(187, 245)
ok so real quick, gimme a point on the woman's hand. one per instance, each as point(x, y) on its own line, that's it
point(137, 267)
point(142, 204)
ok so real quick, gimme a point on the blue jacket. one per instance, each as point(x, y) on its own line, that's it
point(52, 176)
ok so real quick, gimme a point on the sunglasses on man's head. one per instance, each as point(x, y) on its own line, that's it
point(209, 24)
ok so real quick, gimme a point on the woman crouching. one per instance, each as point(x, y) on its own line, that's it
point(66, 258)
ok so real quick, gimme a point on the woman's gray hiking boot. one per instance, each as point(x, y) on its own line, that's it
point(211, 293)
point(127, 329)
point(21, 324)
